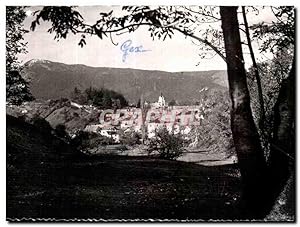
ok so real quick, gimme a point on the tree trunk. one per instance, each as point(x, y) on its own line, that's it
point(284, 206)
point(256, 74)
point(251, 159)
point(282, 156)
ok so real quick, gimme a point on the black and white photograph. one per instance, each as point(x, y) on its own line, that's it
point(150, 113)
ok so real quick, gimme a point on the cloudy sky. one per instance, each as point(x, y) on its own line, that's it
point(176, 54)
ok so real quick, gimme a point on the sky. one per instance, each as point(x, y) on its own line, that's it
point(176, 54)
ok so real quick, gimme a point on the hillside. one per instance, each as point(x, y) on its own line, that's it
point(44, 182)
point(56, 112)
point(52, 80)
point(29, 146)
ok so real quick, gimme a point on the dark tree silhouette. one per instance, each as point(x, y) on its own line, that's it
point(246, 139)
point(17, 88)
point(262, 116)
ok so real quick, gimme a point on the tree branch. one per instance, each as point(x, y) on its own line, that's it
point(204, 41)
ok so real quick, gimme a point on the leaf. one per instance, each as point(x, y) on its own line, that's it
point(122, 22)
point(104, 14)
point(165, 36)
point(137, 17)
point(98, 32)
point(33, 26)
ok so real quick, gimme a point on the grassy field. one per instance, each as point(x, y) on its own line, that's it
point(45, 180)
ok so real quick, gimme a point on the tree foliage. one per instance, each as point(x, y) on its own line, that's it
point(272, 73)
point(280, 34)
point(17, 89)
point(64, 20)
point(103, 98)
point(15, 43)
point(162, 23)
point(215, 134)
point(278, 38)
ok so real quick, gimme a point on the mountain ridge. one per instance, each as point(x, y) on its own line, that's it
point(53, 80)
point(37, 60)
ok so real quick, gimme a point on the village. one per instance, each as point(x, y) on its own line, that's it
point(148, 119)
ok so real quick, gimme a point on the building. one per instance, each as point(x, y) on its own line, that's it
point(161, 102)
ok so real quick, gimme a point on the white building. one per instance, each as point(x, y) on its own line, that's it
point(161, 102)
point(108, 131)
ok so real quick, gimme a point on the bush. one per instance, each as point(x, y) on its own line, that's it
point(85, 141)
point(168, 145)
point(172, 102)
point(60, 131)
point(41, 124)
point(130, 138)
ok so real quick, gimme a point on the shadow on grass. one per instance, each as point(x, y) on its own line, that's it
point(44, 181)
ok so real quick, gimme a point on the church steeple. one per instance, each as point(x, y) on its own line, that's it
point(161, 100)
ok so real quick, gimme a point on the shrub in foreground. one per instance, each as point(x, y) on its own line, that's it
point(167, 144)
point(130, 138)
point(41, 124)
point(85, 141)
